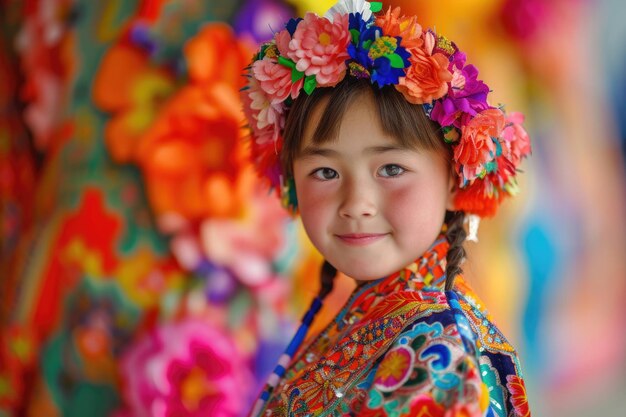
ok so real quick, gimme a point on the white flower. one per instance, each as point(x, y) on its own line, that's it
point(350, 6)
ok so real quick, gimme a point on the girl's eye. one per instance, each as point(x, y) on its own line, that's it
point(325, 174)
point(391, 170)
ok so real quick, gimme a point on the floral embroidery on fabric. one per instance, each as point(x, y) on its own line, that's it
point(396, 349)
point(517, 388)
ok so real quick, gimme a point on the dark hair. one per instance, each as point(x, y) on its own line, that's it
point(406, 122)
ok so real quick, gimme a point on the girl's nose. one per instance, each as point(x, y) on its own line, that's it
point(358, 200)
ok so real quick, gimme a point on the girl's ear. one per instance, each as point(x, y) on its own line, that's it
point(452, 189)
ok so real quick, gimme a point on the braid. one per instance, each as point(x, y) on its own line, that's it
point(456, 253)
point(327, 279)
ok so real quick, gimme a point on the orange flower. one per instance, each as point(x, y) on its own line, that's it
point(130, 88)
point(215, 54)
point(480, 198)
point(191, 155)
point(477, 145)
point(426, 79)
point(405, 27)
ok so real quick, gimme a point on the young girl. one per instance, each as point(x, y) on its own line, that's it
point(381, 136)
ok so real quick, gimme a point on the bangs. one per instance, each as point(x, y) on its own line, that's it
point(406, 123)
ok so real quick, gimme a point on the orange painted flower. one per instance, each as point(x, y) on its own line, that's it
point(478, 142)
point(427, 78)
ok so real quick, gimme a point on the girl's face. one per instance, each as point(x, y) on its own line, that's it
point(368, 205)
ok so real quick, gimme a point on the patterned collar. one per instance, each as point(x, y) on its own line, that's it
point(426, 274)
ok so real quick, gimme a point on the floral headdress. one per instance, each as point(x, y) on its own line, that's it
point(356, 39)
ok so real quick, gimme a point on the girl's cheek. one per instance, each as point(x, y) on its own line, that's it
point(313, 195)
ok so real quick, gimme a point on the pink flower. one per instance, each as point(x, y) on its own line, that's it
point(266, 142)
point(266, 113)
point(275, 80)
point(185, 369)
point(282, 39)
point(477, 146)
point(516, 141)
point(320, 47)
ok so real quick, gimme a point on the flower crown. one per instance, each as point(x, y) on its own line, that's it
point(355, 39)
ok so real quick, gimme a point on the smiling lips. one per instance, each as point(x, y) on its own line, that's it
point(361, 239)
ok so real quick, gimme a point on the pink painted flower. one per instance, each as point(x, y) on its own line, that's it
point(320, 47)
point(477, 146)
point(516, 141)
point(185, 369)
point(275, 80)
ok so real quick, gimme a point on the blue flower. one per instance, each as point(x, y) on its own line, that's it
point(380, 56)
point(292, 24)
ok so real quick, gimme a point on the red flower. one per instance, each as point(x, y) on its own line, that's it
point(480, 198)
point(477, 146)
point(425, 406)
point(517, 389)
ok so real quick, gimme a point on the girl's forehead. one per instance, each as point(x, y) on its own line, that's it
point(359, 126)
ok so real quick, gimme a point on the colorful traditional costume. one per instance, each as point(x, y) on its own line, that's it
point(402, 346)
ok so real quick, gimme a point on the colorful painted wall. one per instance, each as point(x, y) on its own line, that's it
point(145, 271)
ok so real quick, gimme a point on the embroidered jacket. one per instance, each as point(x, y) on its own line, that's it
point(402, 346)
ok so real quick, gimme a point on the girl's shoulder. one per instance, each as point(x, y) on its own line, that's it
point(487, 335)
point(452, 359)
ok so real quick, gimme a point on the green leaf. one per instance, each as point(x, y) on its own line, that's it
point(286, 62)
point(355, 36)
point(396, 60)
point(367, 44)
point(376, 6)
point(310, 84)
point(295, 74)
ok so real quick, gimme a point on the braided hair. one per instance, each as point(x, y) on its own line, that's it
point(455, 234)
point(327, 279)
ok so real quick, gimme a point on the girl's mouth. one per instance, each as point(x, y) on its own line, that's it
point(361, 239)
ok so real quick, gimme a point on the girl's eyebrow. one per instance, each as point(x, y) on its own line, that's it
point(371, 150)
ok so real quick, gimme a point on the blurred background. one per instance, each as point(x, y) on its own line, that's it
point(146, 271)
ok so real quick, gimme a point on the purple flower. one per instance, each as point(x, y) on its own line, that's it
point(467, 95)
